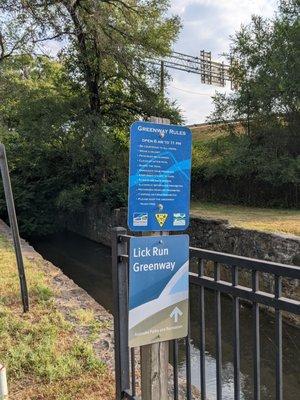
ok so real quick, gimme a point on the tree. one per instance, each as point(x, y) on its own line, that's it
point(65, 121)
point(104, 41)
point(260, 163)
point(55, 164)
point(266, 67)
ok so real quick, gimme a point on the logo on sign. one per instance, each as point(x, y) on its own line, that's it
point(140, 219)
point(161, 219)
point(179, 219)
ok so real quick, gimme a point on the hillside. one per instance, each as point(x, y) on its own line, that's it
point(207, 132)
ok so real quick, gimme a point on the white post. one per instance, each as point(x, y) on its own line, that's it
point(3, 383)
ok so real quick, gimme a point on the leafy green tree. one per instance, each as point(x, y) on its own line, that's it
point(259, 164)
point(266, 67)
point(58, 157)
point(65, 121)
point(106, 44)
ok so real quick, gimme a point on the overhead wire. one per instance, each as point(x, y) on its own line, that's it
point(190, 91)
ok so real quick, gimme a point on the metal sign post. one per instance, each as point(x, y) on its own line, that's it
point(14, 226)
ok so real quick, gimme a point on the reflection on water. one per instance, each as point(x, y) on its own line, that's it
point(86, 262)
point(291, 351)
point(89, 265)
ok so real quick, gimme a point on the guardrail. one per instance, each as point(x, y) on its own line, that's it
point(126, 361)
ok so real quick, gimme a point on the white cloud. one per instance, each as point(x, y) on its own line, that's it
point(208, 24)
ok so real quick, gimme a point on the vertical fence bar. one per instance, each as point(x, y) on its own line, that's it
point(256, 339)
point(278, 339)
point(236, 337)
point(133, 380)
point(175, 367)
point(188, 369)
point(120, 289)
point(14, 226)
point(188, 361)
point(201, 264)
point(218, 334)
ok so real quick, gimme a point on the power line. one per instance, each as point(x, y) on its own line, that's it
point(190, 91)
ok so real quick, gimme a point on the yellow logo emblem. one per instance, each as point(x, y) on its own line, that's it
point(161, 218)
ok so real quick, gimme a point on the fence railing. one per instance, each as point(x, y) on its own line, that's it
point(126, 361)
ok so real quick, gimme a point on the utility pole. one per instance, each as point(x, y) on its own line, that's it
point(162, 79)
point(248, 111)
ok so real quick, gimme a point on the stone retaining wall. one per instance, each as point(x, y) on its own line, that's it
point(96, 222)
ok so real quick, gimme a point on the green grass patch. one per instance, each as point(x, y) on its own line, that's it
point(263, 219)
point(44, 356)
point(203, 136)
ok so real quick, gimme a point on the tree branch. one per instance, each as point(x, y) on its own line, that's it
point(58, 35)
point(2, 47)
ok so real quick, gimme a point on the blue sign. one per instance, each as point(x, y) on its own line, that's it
point(159, 177)
point(158, 288)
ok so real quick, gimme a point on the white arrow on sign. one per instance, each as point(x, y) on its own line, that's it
point(176, 313)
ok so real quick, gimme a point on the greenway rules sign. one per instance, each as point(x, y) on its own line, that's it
point(159, 177)
point(158, 289)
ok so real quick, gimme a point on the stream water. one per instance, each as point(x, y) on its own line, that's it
point(89, 265)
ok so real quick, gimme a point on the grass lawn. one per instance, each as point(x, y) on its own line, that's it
point(44, 356)
point(206, 133)
point(263, 219)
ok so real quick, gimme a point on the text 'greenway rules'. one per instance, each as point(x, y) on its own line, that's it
point(159, 177)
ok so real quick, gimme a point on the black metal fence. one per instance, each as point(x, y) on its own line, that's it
point(256, 298)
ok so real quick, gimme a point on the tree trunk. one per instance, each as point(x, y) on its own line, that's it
point(91, 77)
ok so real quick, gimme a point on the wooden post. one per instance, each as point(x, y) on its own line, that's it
point(155, 357)
point(154, 369)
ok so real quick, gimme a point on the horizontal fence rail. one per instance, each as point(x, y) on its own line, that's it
point(215, 262)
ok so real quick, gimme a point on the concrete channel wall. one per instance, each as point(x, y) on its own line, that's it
point(96, 222)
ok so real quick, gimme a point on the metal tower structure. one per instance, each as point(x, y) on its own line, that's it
point(211, 72)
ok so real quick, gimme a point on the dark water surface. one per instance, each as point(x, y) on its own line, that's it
point(89, 265)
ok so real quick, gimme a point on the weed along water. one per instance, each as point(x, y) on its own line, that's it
point(89, 265)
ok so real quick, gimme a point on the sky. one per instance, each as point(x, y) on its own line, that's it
point(207, 25)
